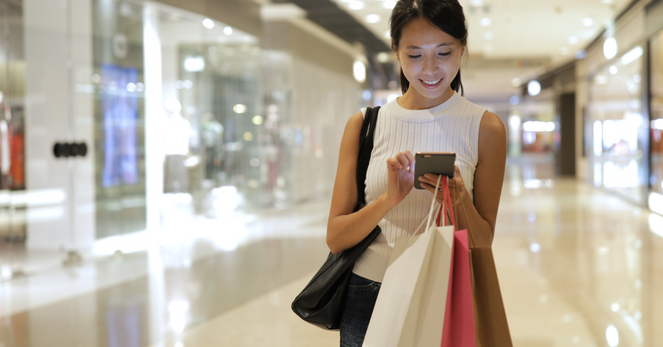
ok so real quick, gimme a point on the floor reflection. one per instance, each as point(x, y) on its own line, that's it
point(583, 262)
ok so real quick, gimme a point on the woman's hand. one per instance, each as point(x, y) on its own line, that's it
point(456, 186)
point(400, 177)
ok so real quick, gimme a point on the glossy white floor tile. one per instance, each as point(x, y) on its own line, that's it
point(265, 321)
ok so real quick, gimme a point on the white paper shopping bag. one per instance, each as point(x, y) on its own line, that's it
point(412, 301)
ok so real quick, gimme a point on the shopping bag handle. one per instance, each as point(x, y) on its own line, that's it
point(469, 231)
point(432, 205)
point(449, 207)
point(446, 206)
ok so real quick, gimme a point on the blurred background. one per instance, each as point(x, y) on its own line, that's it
point(166, 166)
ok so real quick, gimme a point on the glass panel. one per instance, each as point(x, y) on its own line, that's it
point(119, 118)
point(619, 130)
point(12, 130)
point(656, 177)
point(212, 138)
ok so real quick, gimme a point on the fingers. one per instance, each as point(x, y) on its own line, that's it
point(409, 157)
point(431, 189)
point(402, 161)
point(393, 163)
point(430, 179)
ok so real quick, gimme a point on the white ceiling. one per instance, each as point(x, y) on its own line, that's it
point(518, 28)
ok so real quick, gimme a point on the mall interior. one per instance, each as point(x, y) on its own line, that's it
point(166, 166)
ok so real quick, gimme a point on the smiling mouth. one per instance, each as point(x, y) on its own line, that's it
point(432, 83)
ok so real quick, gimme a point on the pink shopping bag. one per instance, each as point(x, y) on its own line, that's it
point(459, 328)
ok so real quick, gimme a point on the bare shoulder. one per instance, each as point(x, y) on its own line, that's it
point(491, 126)
point(350, 141)
point(492, 136)
point(355, 122)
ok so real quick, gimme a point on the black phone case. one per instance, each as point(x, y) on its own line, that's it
point(435, 163)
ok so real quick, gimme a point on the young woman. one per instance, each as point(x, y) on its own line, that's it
point(429, 38)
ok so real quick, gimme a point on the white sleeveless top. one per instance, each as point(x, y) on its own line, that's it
point(450, 127)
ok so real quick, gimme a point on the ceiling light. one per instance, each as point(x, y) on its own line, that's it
point(372, 18)
point(564, 51)
point(613, 70)
point(208, 23)
point(228, 31)
point(607, 1)
point(194, 64)
point(485, 21)
point(533, 87)
point(588, 22)
point(516, 82)
point(389, 4)
point(632, 55)
point(477, 3)
point(601, 79)
point(514, 100)
point(612, 336)
point(488, 35)
point(610, 48)
point(356, 5)
point(573, 40)
point(239, 108)
point(534, 247)
point(383, 57)
point(539, 127)
point(359, 71)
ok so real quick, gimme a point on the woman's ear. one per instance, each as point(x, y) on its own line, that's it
point(395, 51)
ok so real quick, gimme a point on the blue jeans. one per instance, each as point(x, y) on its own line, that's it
point(359, 302)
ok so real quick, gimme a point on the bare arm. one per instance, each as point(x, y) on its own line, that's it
point(488, 180)
point(346, 229)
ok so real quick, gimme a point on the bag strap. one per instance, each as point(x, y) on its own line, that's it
point(469, 231)
point(365, 149)
point(451, 213)
point(446, 209)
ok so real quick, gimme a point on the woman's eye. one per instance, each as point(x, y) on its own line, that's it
point(445, 54)
point(414, 56)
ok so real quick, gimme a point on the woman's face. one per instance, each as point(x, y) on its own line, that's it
point(430, 59)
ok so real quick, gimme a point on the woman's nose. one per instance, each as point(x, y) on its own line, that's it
point(429, 65)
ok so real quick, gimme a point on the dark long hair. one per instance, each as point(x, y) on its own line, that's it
point(445, 14)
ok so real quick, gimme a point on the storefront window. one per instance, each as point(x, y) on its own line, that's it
point(656, 177)
point(212, 117)
point(12, 128)
point(119, 118)
point(619, 129)
point(532, 119)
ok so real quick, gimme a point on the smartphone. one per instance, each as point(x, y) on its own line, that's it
point(439, 163)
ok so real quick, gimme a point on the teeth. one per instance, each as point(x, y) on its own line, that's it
point(432, 82)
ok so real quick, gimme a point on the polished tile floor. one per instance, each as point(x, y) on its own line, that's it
point(578, 267)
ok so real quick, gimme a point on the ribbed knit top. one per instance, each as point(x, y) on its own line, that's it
point(452, 126)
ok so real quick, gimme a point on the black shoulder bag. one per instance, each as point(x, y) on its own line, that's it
point(321, 301)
